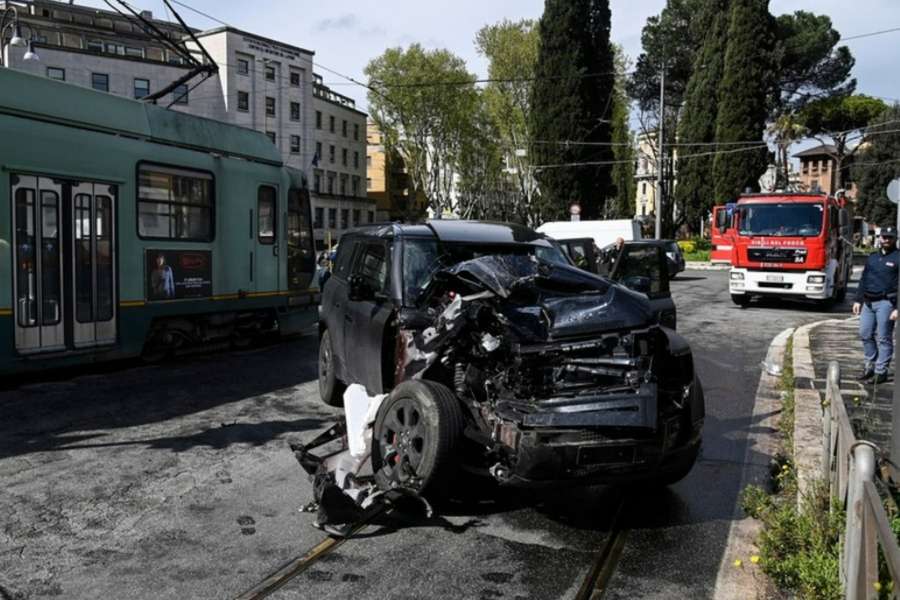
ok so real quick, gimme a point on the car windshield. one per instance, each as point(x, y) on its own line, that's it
point(423, 257)
point(671, 247)
point(802, 220)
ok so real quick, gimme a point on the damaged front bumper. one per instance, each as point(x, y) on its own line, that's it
point(614, 439)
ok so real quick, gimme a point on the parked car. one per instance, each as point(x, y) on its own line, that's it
point(499, 354)
point(674, 258)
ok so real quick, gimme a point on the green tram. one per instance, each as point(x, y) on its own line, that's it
point(127, 229)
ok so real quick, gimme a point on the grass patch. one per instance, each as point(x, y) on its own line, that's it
point(799, 546)
point(697, 256)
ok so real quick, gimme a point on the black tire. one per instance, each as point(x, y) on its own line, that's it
point(331, 389)
point(742, 300)
point(678, 472)
point(417, 437)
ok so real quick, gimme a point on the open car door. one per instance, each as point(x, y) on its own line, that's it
point(642, 267)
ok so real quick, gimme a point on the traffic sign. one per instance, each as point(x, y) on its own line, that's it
point(893, 191)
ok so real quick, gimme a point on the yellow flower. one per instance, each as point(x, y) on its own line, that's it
point(738, 563)
point(877, 586)
point(754, 559)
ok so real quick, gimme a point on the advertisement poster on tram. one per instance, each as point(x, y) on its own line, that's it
point(178, 274)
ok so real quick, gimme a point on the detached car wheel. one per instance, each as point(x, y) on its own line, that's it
point(416, 436)
point(331, 389)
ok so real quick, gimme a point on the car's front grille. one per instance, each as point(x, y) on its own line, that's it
point(778, 255)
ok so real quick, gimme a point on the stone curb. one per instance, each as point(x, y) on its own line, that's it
point(762, 441)
point(808, 412)
point(706, 266)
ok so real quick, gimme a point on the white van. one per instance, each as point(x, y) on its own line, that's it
point(603, 233)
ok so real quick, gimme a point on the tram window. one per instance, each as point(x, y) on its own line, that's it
point(299, 237)
point(266, 202)
point(26, 288)
point(175, 204)
point(50, 274)
point(104, 220)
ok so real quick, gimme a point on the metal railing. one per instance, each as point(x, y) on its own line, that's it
point(848, 467)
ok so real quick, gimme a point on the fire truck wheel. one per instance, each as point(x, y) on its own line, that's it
point(742, 300)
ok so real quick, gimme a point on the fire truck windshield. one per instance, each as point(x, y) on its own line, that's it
point(800, 220)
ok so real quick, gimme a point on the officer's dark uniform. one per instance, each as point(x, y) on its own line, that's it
point(877, 292)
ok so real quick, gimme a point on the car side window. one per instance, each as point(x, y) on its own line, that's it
point(644, 262)
point(372, 264)
point(344, 258)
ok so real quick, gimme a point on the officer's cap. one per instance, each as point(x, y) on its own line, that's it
point(889, 232)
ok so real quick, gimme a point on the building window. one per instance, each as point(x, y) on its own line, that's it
point(343, 186)
point(344, 128)
point(100, 82)
point(270, 107)
point(332, 218)
point(95, 45)
point(356, 160)
point(181, 94)
point(344, 157)
point(369, 162)
point(57, 74)
point(271, 136)
point(354, 186)
point(243, 66)
point(345, 217)
point(356, 221)
point(331, 124)
point(356, 131)
point(243, 101)
point(371, 216)
point(317, 182)
point(134, 52)
point(318, 151)
point(295, 144)
point(141, 88)
point(295, 78)
point(175, 204)
point(270, 73)
point(331, 154)
point(295, 111)
point(330, 184)
point(368, 183)
point(644, 188)
point(318, 216)
point(265, 214)
point(318, 119)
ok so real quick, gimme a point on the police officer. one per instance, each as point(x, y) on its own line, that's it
point(876, 303)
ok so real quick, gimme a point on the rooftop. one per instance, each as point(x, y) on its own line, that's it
point(820, 150)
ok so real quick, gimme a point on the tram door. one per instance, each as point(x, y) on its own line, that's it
point(65, 281)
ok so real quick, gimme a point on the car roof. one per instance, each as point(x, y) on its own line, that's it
point(456, 231)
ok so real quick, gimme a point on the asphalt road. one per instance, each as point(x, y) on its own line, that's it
point(176, 481)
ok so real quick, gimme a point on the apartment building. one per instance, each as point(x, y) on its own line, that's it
point(388, 182)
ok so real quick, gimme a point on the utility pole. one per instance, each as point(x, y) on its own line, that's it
point(660, 158)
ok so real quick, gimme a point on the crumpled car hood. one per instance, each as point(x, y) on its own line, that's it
point(544, 301)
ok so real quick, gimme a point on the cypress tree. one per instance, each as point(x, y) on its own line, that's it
point(695, 191)
point(743, 93)
point(572, 101)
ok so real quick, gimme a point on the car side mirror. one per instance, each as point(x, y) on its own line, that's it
point(360, 290)
point(638, 283)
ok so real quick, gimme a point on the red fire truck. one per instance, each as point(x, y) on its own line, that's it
point(790, 245)
point(721, 234)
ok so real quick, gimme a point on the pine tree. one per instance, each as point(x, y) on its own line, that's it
point(695, 193)
point(743, 94)
point(572, 101)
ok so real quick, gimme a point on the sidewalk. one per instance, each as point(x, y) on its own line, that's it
point(868, 405)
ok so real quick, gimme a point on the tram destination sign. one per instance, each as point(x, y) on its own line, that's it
point(177, 274)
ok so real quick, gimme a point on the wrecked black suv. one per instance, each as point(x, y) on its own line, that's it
point(502, 357)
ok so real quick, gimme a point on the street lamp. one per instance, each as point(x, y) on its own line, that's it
point(10, 19)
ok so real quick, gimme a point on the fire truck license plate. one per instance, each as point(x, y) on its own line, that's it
point(775, 278)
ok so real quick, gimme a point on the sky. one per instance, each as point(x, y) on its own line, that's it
point(345, 35)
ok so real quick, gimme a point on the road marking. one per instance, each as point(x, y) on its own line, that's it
point(597, 580)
